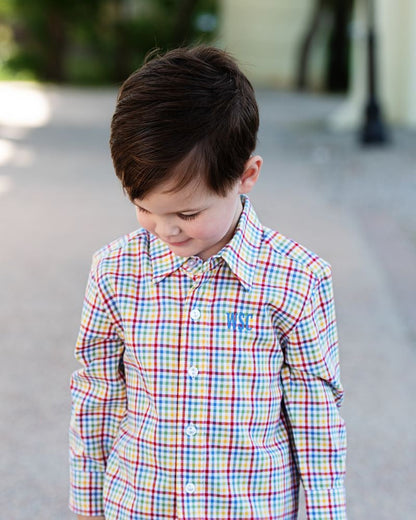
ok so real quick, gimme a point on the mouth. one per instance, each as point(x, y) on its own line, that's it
point(177, 244)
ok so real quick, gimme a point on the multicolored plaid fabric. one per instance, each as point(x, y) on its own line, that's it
point(208, 389)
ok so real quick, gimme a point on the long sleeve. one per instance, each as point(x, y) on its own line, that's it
point(98, 397)
point(312, 394)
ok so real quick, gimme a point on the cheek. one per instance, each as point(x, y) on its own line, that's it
point(208, 229)
point(144, 220)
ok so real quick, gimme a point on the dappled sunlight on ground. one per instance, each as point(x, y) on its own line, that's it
point(23, 106)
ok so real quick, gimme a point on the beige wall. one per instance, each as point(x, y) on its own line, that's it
point(397, 21)
point(264, 36)
point(396, 64)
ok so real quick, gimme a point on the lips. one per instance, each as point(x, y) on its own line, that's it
point(177, 244)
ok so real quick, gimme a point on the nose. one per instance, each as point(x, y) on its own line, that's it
point(166, 229)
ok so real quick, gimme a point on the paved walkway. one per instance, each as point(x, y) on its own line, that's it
point(60, 201)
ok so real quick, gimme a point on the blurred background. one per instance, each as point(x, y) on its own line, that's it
point(336, 86)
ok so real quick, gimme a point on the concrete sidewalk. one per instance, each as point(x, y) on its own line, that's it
point(60, 201)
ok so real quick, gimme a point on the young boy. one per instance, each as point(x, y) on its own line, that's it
point(210, 383)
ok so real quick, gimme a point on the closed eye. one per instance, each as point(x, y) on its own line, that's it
point(142, 210)
point(183, 216)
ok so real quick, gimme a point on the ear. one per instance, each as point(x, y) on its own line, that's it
point(251, 174)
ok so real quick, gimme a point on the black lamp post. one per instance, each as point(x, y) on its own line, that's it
point(373, 131)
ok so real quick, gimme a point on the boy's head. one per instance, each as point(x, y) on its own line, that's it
point(190, 113)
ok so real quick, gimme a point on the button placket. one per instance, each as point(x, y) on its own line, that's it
point(191, 430)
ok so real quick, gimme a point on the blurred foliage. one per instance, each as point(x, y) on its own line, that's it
point(96, 41)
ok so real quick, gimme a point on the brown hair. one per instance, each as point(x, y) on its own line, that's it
point(191, 110)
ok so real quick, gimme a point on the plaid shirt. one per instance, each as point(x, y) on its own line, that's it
point(208, 389)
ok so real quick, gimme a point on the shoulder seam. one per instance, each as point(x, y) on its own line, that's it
point(115, 246)
point(324, 271)
point(316, 264)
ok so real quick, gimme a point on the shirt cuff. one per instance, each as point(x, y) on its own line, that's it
point(326, 504)
point(86, 493)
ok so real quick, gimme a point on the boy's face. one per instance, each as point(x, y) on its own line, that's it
point(194, 221)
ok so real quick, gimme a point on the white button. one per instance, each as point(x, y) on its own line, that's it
point(193, 371)
point(190, 430)
point(192, 262)
point(195, 314)
point(190, 487)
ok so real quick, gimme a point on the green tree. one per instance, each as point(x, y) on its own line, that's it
point(42, 29)
point(99, 40)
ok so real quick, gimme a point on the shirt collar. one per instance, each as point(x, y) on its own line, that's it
point(240, 254)
point(164, 262)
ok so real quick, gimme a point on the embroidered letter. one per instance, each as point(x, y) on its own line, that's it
point(248, 318)
point(240, 320)
point(231, 320)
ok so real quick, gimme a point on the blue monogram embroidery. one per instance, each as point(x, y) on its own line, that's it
point(239, 320)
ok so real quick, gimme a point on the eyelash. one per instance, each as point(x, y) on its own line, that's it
point(180, 215)
point(187, 217)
